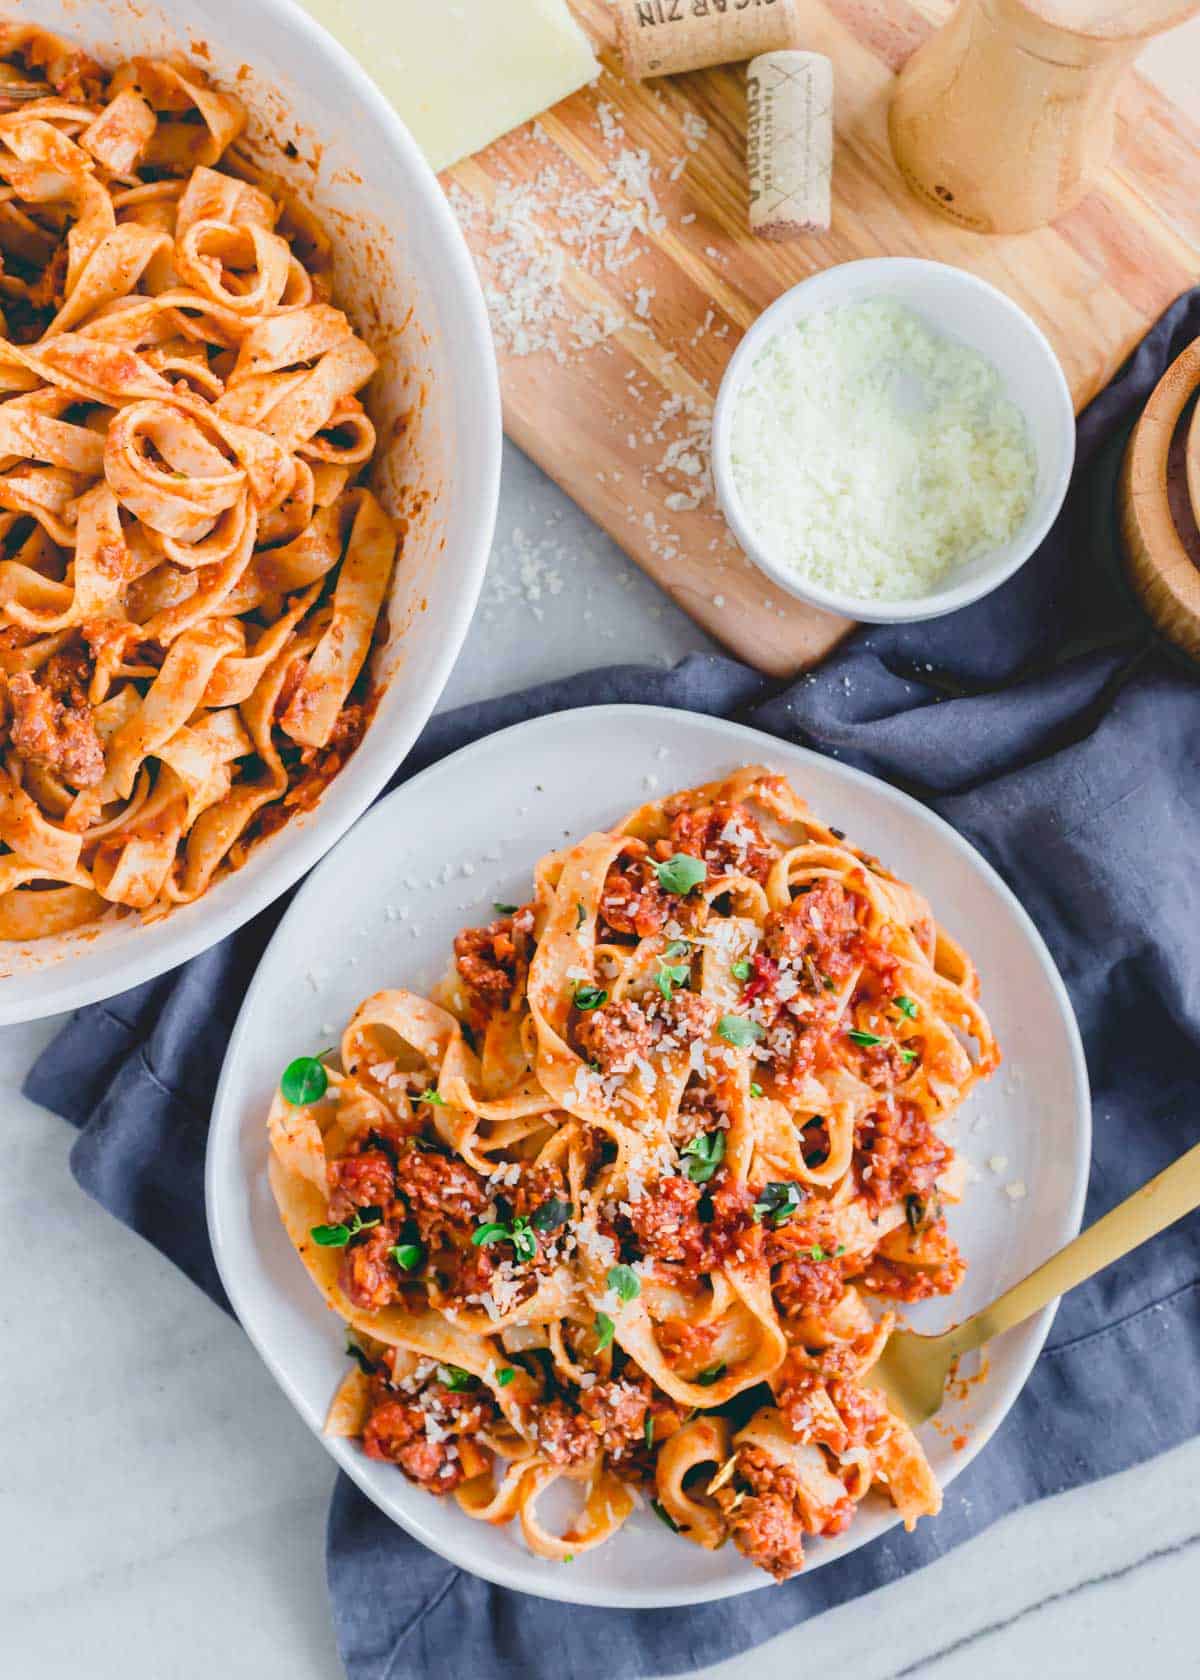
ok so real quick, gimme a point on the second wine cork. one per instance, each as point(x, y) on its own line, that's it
point(789, 143)
point(665, 37)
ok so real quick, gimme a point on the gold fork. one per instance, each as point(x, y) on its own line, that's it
point(913, 1370)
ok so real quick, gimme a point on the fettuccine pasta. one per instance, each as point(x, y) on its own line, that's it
point(625, 1204)
point(190, 572)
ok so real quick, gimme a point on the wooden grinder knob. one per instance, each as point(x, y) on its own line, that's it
point(1004, 119)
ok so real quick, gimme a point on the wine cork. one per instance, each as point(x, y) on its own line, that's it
point(664, 37)
point(789, 143)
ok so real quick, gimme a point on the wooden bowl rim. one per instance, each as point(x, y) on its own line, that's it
point(1163, 561)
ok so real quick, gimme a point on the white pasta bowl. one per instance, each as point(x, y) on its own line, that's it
point(404, 275)
point(974, 313)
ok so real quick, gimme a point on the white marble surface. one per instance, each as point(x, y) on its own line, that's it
point(163, 1508)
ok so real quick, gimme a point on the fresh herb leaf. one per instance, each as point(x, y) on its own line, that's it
point(714, 1374)
point(505, 1375)
point(866, 1039)
point(337, 1236)
point(429, 1095)
point(679, 874)
point(455, 1378)
point(504, 909)
point(839, 1251)
point(906, 1006)
point(330, 1236)
point(669, 976)
point(407, 1255)
point(525, 1244)
point(664, 1516)
point(304, 1081)
point(580, 914)
point(365, 1365)
point(648, 1431)
point(678, 948)
point(590, 997)
point(817, 1253)
point(704, 1155)
point(492, 1232)
point(550, 1215)
point(625, 1281)
point(756, 1089)
point(739, 1030)
point(742, 970)
point(838, 833)
point(777, 1201)
point(908, 1055)
point(604, 1331)
point(914, 1212)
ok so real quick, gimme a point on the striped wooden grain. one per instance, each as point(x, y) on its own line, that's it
point(1094, 282)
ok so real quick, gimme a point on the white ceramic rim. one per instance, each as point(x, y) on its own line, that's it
point(226, 1120)
point(334, 814)
point(826, 288)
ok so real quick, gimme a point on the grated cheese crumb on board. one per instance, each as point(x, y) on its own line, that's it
point(872, 453)
point(535, 231)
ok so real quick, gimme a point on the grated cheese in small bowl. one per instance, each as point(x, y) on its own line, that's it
point(892, 451)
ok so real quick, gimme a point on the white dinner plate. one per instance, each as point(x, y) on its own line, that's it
point(382, 910)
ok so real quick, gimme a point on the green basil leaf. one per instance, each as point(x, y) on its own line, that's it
point(866, 1039)
point(742, 970)
point(406, 1255)
point(525, 1244)
point(648, 1431)
point(706, 1151)
point(505, 1375)
point(681, 873)
point(365, 1365)
point(330, 1236)
point(504, 909)
point(304, 1081)
point(664, 1516)
point(431, 1096)
point(492, 1232)
point(669, 976)
point(455, 1378)
point(625, 1281)
point(604, 1331)
point(678, 948)
point(778, 1201)
point(817, 1253)
point(756, 1090)
point(714, 1374)
point(590, 997)
point(550, 1215)
point(580, 913)
point(909, 1056)
point(739, 1030)
point(906, 1006)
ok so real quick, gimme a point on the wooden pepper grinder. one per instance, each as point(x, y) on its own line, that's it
point(1004, 119)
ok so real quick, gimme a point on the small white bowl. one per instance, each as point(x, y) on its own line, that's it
point(964, 308)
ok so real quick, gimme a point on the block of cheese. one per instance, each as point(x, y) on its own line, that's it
point(463, 72)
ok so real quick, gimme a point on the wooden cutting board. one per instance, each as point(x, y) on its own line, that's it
point(612, 342)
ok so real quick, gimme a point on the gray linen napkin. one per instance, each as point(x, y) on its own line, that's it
point(1050, 726)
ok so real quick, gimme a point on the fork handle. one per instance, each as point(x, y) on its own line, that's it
point(1162, 1201)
